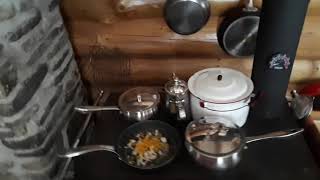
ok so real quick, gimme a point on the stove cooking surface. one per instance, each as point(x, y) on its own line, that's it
point(274, 159)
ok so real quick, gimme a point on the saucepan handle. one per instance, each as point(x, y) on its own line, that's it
point(88, 109)
point(87, 149)
point(275, 135)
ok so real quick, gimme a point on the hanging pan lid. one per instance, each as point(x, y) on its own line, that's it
point(220, 85)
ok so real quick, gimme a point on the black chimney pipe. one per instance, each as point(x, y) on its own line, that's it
point(281, 23)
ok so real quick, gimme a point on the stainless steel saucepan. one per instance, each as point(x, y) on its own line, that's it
point(137, 104)
point(218, 143)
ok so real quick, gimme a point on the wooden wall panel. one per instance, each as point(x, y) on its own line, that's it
point(109, 10)
point(152, 36)
point(122, 69)
point(135, 46)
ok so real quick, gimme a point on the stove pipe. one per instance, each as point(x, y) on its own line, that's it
point(280, 28)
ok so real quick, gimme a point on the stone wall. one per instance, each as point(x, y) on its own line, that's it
point(39, 86)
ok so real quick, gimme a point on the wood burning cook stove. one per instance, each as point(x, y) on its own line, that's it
point(281, 23)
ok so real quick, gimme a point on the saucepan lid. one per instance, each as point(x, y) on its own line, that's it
point(220, 85)
point(215, 136)
point(139, 99)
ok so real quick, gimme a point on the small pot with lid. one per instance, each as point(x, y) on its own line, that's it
point(217, 143)
point(220, 92)
point(138, 104)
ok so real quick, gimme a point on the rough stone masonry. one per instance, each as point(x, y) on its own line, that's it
point(39, 86)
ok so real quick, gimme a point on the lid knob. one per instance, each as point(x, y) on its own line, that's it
point(219, 77)
point(139, 98)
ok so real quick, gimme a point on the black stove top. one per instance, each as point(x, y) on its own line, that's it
point(281, 159)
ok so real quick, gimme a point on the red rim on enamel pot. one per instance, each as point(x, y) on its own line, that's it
point(220, 92)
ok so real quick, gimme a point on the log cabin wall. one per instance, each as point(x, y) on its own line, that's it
point(121, 44)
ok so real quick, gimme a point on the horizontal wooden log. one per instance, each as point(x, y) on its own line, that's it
point(153, 8)
point(153, 37)
point(102, 11)
point(109, 11)
point(120, 69)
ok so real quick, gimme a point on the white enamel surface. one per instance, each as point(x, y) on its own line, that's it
point(233, 86)
point(227, 97)
point(236, 112)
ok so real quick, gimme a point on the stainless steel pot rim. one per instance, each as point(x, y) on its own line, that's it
point(239, 148)
point(256, 17)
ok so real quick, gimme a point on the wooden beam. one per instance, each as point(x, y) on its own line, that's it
point(152, 36)
point(124, 69)
point(110, 11)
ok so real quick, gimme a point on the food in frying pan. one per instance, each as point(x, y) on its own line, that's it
point(147, 148)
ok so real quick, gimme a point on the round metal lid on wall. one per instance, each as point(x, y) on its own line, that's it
point(186, 16)
point(220, 85)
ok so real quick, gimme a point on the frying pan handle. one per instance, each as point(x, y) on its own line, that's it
point(88, 109)
point(275, 135)
point(87, 149)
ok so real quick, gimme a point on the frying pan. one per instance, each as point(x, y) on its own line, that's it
point(238, 32)
point(186, 17)
point(122, 152)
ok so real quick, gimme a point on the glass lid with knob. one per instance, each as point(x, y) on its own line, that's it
point(137, 99)
point(214, 136)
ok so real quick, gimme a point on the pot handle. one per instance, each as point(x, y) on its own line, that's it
point(250, 98)
point(88, 109)
point(250, 6)
point(181, 112)
point(87, 149)
point(211, 108)
point(275, 135)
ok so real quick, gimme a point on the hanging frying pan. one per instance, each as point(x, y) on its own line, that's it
point(186, 16)
point(238, 32)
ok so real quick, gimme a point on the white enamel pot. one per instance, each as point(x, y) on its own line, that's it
point(220, 92)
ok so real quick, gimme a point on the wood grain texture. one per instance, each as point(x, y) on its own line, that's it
point(139, 49)
point(108, 11)
point(156, 71)
point(152, 36)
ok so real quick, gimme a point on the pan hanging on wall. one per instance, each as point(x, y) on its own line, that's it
point(186, 16)
point(238, 32)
